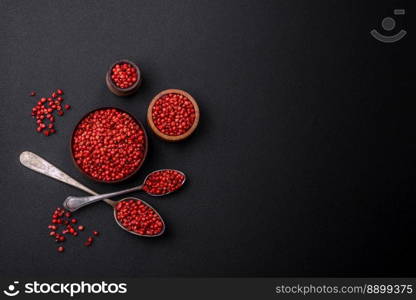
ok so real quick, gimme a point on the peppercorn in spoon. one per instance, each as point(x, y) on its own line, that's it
point(157, 183)
point(133, 215)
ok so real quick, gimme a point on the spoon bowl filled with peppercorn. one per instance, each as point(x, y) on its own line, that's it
point(163, 182)
point(123, 77)
point(135, 216)
point(131, 214)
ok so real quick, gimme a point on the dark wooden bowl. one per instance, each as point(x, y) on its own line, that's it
point(122, 179)
point(119, 91)
point(172, 138)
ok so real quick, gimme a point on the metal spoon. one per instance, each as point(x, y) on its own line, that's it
point(73, 203)
point(40, 165)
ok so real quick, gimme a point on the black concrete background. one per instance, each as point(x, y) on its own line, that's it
point(303, 164)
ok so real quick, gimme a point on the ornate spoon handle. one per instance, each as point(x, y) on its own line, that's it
point(40, 165)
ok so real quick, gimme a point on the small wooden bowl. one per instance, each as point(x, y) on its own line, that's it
point(119, 91)
point(172, 138)
point(114, 181)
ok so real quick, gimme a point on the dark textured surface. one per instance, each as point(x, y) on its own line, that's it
point(303, 164)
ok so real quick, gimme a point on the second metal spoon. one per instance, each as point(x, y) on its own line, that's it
point(73, 203)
